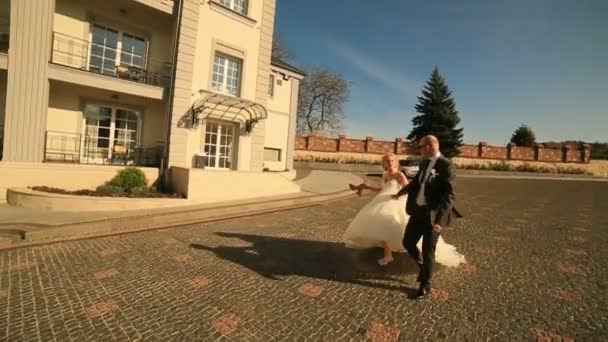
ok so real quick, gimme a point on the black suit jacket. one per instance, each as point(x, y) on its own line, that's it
point(438, 191)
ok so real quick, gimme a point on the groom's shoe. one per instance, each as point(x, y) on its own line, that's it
point(423, 293)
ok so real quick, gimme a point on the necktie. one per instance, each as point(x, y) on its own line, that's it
point(425, 165)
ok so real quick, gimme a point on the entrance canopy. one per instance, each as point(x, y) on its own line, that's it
point(227, 107)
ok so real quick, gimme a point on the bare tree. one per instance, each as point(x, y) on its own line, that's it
point(280, 50)
point(323, 94)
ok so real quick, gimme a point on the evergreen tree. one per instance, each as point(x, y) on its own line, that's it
point(437, 116)
point(523, 136)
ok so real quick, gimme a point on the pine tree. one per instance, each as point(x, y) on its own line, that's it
point(523, 136)
point(438, 116)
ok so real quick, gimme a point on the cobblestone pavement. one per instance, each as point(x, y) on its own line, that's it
point(536, 270)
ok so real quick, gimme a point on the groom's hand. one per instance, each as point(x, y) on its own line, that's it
point(437, 228)
point(395, 196)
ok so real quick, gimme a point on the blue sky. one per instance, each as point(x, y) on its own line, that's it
point(543, 63)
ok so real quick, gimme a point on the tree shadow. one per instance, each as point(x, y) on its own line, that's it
point(273, 257)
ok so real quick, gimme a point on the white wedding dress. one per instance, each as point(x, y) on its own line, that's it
point(384, 219)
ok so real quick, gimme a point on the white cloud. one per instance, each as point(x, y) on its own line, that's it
point(390, 77)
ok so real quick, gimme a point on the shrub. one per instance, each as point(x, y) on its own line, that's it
point(109, 190)
point(128, 179)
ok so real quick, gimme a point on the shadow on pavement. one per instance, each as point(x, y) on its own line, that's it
point(272, 257)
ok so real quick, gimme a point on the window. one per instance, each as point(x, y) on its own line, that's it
point(272, 154)
point(218, 145)
point(239, 6)
point(111, 48)
point(109, 131)
point(226, 75)
point(271, 85)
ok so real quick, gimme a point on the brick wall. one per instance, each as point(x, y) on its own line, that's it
point(567, 153)
point(345, 145)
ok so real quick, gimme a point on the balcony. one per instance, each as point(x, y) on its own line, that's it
point(65, 147)
point(161, 5)
point(108, 61)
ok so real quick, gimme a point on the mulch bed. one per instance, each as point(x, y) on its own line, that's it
point(101, 193)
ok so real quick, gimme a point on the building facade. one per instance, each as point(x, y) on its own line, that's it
point(184, 89)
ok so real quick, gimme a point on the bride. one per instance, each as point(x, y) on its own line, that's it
point(382, 221)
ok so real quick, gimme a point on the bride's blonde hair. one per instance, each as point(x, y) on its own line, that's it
point(386, 156)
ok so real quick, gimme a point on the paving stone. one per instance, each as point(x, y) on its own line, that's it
point(535, 271)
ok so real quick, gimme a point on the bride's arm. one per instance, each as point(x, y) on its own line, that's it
point(366, 186)
point(402, 180)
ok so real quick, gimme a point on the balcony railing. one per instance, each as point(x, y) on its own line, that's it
point(64, 147)
point(5, 26)
point(86, 55)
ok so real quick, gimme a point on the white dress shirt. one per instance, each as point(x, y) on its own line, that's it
point(421, 199)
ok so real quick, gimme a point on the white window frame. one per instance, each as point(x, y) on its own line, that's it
point(223, 85)
point(231, 4)
point(114, 108)
point(217, 155)
point(118, 46)
point(271, 82)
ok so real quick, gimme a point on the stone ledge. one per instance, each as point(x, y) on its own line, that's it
point(138, 223)
point(27, 198)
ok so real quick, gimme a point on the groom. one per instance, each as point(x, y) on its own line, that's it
point(430, 205)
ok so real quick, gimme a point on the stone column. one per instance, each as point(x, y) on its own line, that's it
point(293, 114)
point(180, 135)
point(261, 88)
point(27, 95)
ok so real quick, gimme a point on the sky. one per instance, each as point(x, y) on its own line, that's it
point(542, 63)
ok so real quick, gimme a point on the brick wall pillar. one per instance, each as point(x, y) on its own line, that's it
point(368, 142)
point(310, 142)
point(537, 152)
point(341, 142)
point(481, 149)
point(398, 143)
point(586, 153)
point(510, 147)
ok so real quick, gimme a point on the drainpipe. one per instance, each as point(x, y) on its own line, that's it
point(164, 167)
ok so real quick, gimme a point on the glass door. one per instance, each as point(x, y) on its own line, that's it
point(104, 45)
point(110, 134)
point(218, 143)
point(98, 125)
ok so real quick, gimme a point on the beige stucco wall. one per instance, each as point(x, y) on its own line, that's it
point(281, 101)
point(220, 30)
point(277, 124)
point(2, 100)
point(179, 146)
point(66, 176)
point(282, 112)
point(277, 127)
point(241, 41)
point(215, 186)
point(27, 97)
point(246, 40)
point(66, 103)
point(73, 18)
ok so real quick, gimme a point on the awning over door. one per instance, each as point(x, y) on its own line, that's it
point(228, 108)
